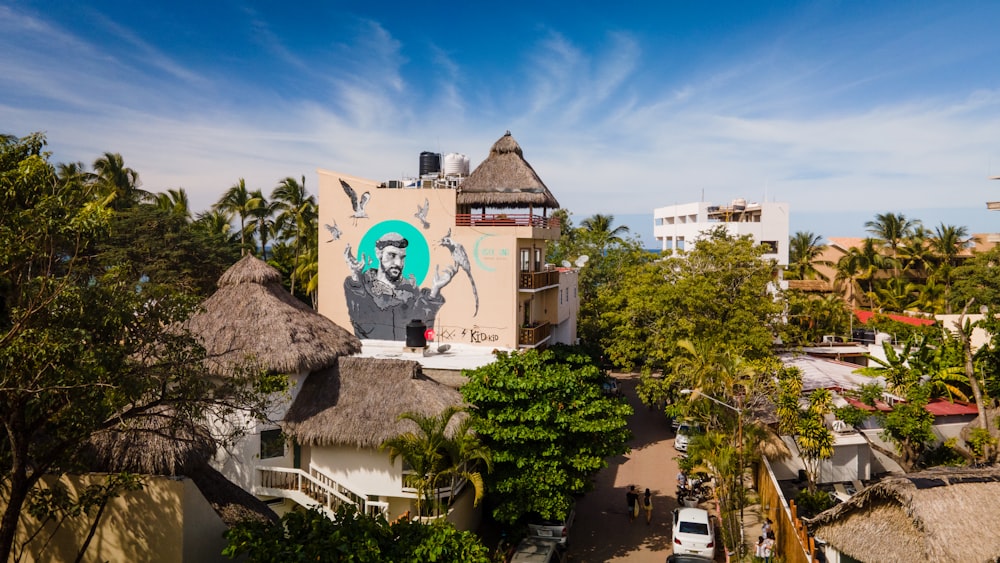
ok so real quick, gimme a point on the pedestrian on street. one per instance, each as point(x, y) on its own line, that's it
point(632, 500)
point(768, 547)
point(647, 503)
point(758, 551)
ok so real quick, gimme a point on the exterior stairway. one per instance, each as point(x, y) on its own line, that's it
point(313, 489)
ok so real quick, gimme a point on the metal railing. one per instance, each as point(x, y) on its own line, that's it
point(506, 220)
point(317, 486)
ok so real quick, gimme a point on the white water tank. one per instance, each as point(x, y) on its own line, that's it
point(456, 164)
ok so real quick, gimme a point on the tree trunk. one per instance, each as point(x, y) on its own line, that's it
point(970, 374)
point(19, 487)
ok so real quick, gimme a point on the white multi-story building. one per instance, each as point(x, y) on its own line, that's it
point(678, 227)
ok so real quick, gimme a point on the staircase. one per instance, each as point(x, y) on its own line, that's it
point(313, 489)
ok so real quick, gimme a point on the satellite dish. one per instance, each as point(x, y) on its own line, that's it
point(566, 264)
point(582, 260)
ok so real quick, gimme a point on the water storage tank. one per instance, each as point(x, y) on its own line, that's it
point(430, 163)
point(456, 164)
point(415, 334)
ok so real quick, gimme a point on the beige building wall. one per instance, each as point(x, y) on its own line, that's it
point(480, 305)
point(167, 521)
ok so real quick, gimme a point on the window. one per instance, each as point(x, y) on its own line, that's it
point(772, 246)
point(538, 259)
point(272, 444)
point(525, 259)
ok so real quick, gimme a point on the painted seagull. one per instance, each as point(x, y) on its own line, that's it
point(421, 213)
point(334, 231)
point(357, 204)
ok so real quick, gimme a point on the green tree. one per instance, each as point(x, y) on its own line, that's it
point(891, 230)
point(309, 536)
point(297, 218)
point(722, 288)
point(117, 182)
point(814, 439)
point(175, 202)
point(81, 350)
point(804, 249)
point(549, 428)
point(238, 201)
point(434, 453)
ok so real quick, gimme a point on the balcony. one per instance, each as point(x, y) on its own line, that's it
point(538, 280)
point(534, 336)
point(506, 219)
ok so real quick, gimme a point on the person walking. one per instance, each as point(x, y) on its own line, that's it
point(768, 546)
point(758, 551)
point(647, 504)
point(632, 500)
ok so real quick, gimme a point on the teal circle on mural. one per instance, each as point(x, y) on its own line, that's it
point(418, 253)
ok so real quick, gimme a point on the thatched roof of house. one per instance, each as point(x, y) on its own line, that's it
point(505, 180)
point(161, 442)
point(818, 286)
point(158, 442)
point(358, 402)
point(229, 500)
point(941, 515)
point(253, 316)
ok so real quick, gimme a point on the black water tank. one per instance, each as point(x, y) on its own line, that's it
point(416, 336)
point(430, 163)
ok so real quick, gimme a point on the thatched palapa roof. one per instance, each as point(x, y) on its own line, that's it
point(941, 515)
point(158, 442)
point(252, 315)
point(358, 401)
point(161, 442)
point(505, 180)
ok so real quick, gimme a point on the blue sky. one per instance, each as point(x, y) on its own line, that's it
point(842, 109)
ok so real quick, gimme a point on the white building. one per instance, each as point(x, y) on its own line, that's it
point(678, 227)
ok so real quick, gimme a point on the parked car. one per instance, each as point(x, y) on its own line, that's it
point(537, 550)
point(684, 433)
point(693, 532)
point(688, 558)
point(549, 530)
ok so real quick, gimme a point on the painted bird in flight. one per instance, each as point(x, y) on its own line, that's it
point(357, 204)
point(421, 213)
point(334, 231)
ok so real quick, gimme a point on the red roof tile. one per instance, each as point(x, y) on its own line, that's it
point(865, 316)
point(943, 407)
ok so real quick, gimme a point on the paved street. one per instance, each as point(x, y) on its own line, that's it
point(602, 531)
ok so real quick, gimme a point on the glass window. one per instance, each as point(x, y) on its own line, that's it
point(272, 444)
point(525, 260)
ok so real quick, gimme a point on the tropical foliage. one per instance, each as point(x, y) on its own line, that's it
point(549, 428)
point(303, 536)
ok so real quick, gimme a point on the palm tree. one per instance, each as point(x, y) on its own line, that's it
point(600, 232)
point(891, 229)
point(804, 248)
point(434, 452)
point(814, 439)
point(175, 202)
point(947, 243)
point(297, 214)
point(915, 253)
point(118, 183)
point(262, 212)
point(862, 265)
point(237, 201)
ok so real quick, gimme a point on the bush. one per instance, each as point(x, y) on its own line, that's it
point(811, 504)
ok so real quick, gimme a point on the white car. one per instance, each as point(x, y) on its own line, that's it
point(684, 433)
point(693, 532)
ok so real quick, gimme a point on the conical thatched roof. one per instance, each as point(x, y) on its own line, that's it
point(941, 515)
point(358, 402)
point(251, 315)
point(505, 180)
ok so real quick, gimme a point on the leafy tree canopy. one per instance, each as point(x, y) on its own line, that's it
point(357, 538)
point(548, 425)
